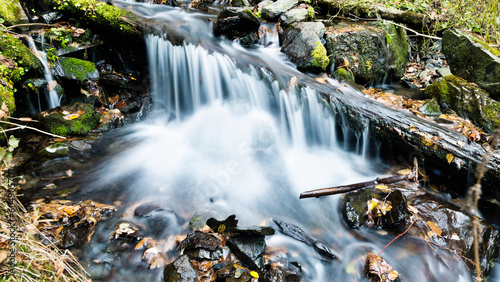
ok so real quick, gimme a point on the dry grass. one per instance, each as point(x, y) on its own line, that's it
point(34, 260)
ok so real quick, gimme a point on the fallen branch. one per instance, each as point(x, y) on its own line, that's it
point(31, 24)
point(401, 26)
point(353, 187)
point(19, 126)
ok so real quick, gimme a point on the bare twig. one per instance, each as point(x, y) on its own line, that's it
point(402, 26)
point(31, 24)
point(20, 126)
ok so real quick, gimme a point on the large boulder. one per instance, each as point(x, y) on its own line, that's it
point(237, 23)
point(467, 100)
point(473, 60)
point(373, 51)
point(293, 16)
point(302, 43)
point(274, 10)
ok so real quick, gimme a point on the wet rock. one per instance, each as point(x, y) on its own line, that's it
point(375, 209)
point(375, 51)
point(181, 270)
point(293, 16)
point(51, 17)
point(473, 60)
point(240, 3)
point(55, 150)
point(275, 9)
point(298, 234)
point(76, 69)
point(249, 249)
point(199, 219)
point(76, 119)
point(467, 100)
point(302, 43)
point(146, 209)
point(198, 239)
point(235, 23)
point(431, 108)
point(450, 227)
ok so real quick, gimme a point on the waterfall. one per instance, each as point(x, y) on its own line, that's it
point(233, 132)
point(53, 99)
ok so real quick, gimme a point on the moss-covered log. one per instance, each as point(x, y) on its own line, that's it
point(446, 154)
point(348, 8)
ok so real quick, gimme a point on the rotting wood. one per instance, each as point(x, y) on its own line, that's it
point(353, 187)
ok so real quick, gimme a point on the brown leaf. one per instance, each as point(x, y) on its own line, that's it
point(434, 228)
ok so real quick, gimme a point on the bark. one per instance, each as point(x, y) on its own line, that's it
point(408, 136)
point(353, 8)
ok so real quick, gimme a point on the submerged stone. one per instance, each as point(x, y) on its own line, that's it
point(467, 100)
point(473, 60)
point(375, 51)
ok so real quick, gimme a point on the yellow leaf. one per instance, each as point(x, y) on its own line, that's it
point(449, 158)
point(372, 204)
point(393, 275)
point(434, 228)
point(59, 229)
point(221, 228)
point(254, 274)
point(382, 187)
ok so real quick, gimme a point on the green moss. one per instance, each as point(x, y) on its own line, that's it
point(7, 97)
point(78, 69)
point(56, 124)
point(320, 58)
point(494, 51)
point(14, 49)
point(100, 13)
point(343, 74)
point(310, 13)
point(10, 11)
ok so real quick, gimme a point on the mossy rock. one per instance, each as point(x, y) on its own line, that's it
point(101, 15)
point(55, 122)
point(14, 49)
point(78, 69)
point(301, 42)
point(466, 100)
point(11, 12)
point(473, 60)
point(343, 74)
point(431, 108)
point(376, 51)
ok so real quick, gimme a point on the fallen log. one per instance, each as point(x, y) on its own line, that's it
point(358, 9)
point(447, 155)
point(353, 187)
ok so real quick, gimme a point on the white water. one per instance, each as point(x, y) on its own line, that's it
point(53, 99)
point(229, 137)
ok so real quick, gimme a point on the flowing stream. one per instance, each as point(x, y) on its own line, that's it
point(53, 99)
point(232, 132)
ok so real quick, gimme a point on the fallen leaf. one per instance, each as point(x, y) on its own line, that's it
point(449, 158)
point(434, 228)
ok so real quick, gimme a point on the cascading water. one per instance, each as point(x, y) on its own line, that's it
point(229, 137)
point(52, 98)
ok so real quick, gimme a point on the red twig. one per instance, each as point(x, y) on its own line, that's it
point(396, 238)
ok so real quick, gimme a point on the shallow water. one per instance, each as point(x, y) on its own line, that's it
point(233, 133)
